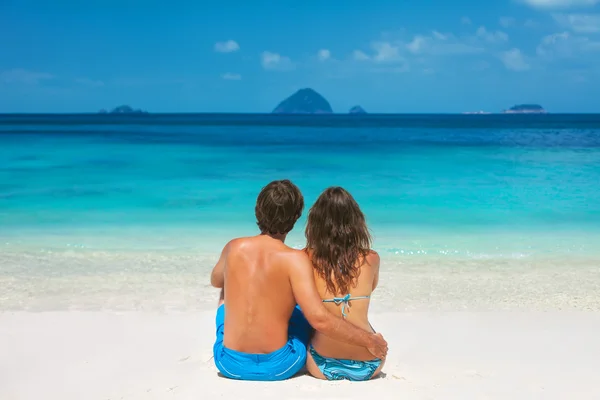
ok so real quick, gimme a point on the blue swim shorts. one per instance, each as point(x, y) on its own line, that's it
point(278, 365)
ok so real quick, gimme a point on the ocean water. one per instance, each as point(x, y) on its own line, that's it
point(79, 194)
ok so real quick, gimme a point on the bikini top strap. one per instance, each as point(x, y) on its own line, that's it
point(344, 301)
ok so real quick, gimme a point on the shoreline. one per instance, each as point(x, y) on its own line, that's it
point(88, 280)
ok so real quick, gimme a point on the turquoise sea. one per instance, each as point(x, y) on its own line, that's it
point(434, 188)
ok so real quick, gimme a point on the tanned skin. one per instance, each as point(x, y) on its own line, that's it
point(263, 280)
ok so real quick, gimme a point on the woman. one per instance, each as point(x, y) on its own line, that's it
point(346, 273)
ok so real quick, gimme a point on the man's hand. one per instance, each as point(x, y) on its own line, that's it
point(379, 347)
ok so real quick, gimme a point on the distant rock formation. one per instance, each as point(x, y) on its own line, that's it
point(304, 101)
point(526, 109)
point(357, 110)
point(123, 110)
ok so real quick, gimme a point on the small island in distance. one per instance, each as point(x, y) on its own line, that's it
point(308, 101)
point(304, 101)
point(518, 109)
point(526, 109)
point(357, 110)
point(124, 109)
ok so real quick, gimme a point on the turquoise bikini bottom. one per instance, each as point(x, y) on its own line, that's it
point(336, 370)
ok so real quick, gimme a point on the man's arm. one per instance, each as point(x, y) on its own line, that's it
point(307, 297)
point(217, 277)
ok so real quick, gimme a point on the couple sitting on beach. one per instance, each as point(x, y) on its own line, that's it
point(274, 296)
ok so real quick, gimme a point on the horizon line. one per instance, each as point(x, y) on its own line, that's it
point(148, 113)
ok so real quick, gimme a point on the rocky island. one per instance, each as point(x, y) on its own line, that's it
point(304, 101)
point(357, 110)
point(526, 109)
point(123, 110)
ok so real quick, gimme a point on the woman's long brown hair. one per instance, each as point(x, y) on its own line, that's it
point(338, 238)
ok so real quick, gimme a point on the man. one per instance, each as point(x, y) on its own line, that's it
point(262, 334)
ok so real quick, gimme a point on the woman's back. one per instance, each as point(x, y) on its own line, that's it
point(346, 272)
point(354, 306)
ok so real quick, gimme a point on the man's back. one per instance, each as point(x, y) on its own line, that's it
point(258, 294)
point(260, 334)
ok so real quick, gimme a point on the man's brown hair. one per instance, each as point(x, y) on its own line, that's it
point(278, 207)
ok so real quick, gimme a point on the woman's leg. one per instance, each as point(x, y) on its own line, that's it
point(340, 366)
point(378, 370)
point(312, 368)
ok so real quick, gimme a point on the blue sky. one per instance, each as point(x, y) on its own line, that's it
point(246, 56)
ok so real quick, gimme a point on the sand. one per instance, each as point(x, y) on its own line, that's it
point(105, 355)
point(81, 325)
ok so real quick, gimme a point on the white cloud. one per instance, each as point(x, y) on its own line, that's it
point(491, 37)
point(23, 76)
point(465, 21)
point(89, 82)
point(227, 47)
point(386, 55)
point(386, 52)
point(323, 55)
point(566, 45)
point(275, 61)
point(581, 23)
point(514, 60)
point(507, 22)
point(442, 44)
point(439, 36)
point(555, 43)
point(560, 3)
point(231, 76)
point(418, 49)
point(360, 55)
point(417, 44)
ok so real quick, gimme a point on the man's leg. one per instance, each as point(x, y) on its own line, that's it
point(220, 325)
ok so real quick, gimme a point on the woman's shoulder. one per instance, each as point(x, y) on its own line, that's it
point(372, 258)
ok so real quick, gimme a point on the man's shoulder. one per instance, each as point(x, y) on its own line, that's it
point(236, 245)
point(239, 242)
point(291, 257)
point(293, 253)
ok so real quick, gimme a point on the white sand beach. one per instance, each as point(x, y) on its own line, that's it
point(451, 355)
point(110, 325)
